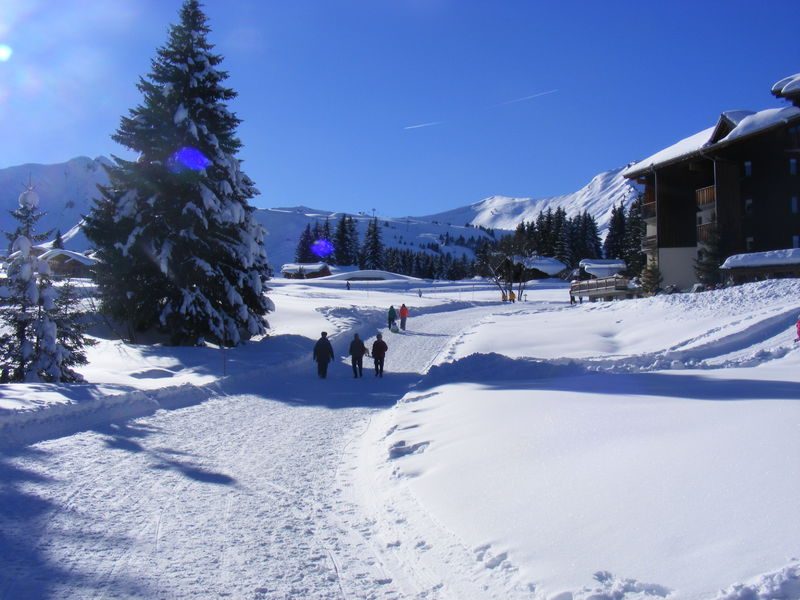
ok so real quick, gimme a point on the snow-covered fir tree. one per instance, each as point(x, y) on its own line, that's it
point(635, 231)
point(30, 348)
point(178, 245)
point(71, 331)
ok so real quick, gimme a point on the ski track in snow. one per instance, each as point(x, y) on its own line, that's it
point(257, 493)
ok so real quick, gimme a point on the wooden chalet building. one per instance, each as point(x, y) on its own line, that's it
point(738, 180)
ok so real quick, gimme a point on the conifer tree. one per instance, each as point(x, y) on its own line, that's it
point(30, 349)
point(651, 278)
point(372, 248)
point(58, 242)
point(614, 245)
point(303, 252)
point(709, 259)
point(71, 331)
point(178, 245)
point(635, 229)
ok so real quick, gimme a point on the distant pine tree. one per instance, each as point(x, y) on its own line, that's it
point(303, 253)
point(372, 248)
point(58, 242)
point(614, 245)
point(179, 247)
point(635, 230)
point(71, 331)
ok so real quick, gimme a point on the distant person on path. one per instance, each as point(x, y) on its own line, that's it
point(403, 316)
point(798, 330)
point(512, 296)
point(323, 354)
point(348, 284)
point(392, 316)
point(357, 352)
point(379, 349)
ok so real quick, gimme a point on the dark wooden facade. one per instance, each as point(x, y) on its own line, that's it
point(746, 190)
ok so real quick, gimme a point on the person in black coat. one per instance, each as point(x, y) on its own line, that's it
point(357, 352)
point(379, 349)
point(323, 354)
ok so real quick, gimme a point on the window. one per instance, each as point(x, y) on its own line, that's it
point(794, 204)
point(748, 168)
point(792, 166)
point(749, 243)
point(748, 206)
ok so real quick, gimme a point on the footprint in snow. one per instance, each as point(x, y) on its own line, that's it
point(400, 449)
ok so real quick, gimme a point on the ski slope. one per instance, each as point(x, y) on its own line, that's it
point(626, 450)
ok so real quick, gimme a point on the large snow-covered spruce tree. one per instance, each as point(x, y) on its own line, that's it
point(179, 247)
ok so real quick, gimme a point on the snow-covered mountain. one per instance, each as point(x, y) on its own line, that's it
point(66, 192)
point(501, 212)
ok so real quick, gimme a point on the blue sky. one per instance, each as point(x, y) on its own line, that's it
point(520, 98)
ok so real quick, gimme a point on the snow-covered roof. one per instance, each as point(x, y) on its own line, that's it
point(304, 267)
point(762, 120)
point(746, 123)
point(602, 267)
point(685, 147)
point(788, 86)
point(545, 264)
point(772, 258)
point(76, 256)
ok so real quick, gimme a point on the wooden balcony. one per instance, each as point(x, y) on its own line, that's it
point(705, 232)
point(706, 197)
point(649, 210)
point(607, 288)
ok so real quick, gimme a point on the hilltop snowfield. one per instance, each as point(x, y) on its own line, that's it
point(67, 191)
point(613, 451)
point(598, 197)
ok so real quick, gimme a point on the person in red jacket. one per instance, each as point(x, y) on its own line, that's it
point(798, 330)
point(403, 316)
point(379, 349)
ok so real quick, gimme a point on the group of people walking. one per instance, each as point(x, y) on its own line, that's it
point(323, 350)
point(323, 355)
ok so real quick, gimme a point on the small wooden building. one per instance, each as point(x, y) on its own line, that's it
point(66, 263)
point(305, 270)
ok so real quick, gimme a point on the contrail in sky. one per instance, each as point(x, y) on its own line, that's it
point(524, 98)
point(419, 126)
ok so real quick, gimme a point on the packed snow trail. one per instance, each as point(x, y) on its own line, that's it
point(233, 497)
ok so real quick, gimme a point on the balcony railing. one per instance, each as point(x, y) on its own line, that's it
point(649, 210)
point(650, 243)
point(706, 232)
point(706, 196)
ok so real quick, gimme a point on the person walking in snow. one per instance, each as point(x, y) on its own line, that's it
point(403, 316)
point(392, 316)
point(357, 352)
point(379, 349)
point(798, 330)
point(323, 354)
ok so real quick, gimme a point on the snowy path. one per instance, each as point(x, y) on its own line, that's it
point(235, 497)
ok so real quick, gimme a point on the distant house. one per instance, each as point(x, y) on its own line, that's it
point(735, 185)
point(66, 263)
point(305, 270)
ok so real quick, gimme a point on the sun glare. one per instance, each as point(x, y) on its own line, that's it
point(5, 52)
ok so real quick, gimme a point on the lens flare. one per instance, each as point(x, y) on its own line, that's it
point(322, 248)
point(188, 158)
point(5, 52)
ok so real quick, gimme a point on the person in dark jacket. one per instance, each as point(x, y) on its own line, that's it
point(392, 316)
point(323, 354)
point(357, 352)
point(379, 349)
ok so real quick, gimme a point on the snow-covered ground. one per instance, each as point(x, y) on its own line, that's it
point(634, 449)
